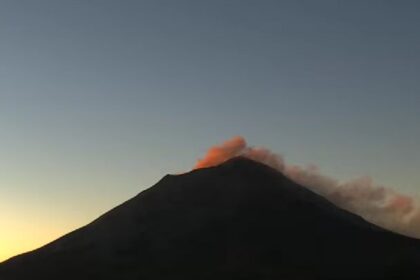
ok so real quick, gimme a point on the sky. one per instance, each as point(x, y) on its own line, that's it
point(99, 99)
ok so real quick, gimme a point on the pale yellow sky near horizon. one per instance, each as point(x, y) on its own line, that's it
point(29, 228)
point(26, 234)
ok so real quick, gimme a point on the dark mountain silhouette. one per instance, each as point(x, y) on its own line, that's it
point(239, 220)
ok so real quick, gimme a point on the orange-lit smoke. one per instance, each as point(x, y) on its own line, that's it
point(218, 154)
point(377, 204)
point(237, 146)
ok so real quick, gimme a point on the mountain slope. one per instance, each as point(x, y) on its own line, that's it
point(239, 220)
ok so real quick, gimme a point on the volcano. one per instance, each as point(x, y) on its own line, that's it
point(238, 220)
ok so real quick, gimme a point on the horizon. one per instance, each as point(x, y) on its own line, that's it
point(100, 99)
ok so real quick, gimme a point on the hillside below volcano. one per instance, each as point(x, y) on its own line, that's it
point(238, 220)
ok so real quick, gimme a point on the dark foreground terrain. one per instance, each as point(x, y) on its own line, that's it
point(240, 220)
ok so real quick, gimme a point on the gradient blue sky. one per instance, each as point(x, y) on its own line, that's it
point(99, 99)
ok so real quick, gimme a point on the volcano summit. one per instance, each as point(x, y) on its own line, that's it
point(237, 220)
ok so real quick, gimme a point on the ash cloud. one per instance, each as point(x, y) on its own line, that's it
point(378, 204)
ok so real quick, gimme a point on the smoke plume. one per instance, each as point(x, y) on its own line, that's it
point(378, 204)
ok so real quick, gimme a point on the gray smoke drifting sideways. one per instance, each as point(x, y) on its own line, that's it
point(378, 204)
